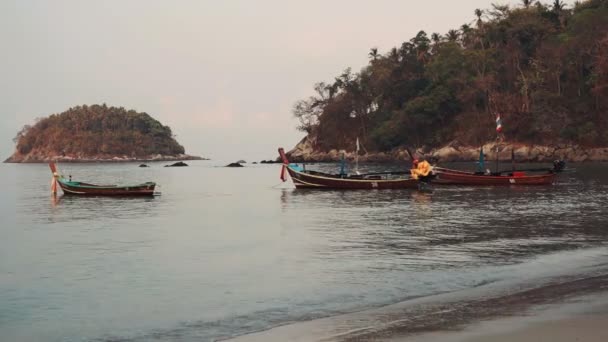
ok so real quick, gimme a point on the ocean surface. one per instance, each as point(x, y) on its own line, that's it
point(224, 252)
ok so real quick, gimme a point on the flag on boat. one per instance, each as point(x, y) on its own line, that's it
point(498, 124)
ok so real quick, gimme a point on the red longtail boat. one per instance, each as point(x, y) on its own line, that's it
point(537, 176)
point(545, 176)
point(306, 179)
point(70, 187)
point(456, 177)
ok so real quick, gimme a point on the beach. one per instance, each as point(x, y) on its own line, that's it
point(573, 309)
point(583, 319)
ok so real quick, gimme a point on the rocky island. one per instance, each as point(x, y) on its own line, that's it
point(97, 133)
point(541, 68)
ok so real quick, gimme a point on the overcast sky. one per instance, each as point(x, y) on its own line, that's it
point(222, 74)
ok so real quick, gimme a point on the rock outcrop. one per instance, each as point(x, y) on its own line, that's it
point(81, 158)
point(178, 164)
point(304, 151)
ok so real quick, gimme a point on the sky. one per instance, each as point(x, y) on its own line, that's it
point(223, 75)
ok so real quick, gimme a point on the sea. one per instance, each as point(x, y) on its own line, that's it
point(222, 253)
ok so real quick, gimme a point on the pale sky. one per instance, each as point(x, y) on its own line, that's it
point(222, 74)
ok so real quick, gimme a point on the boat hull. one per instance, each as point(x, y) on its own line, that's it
point(454, 177)
point(146, 189)
point(304, 180)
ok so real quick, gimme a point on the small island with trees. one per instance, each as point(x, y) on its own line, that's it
point(97, 133)
point(543, 67)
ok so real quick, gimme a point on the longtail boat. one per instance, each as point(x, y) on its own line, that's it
point(543, 176)
point(307, 179)
point(534, 176)
point(456, 177)
point(70, 187)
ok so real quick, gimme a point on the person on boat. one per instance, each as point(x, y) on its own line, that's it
point(420, 169)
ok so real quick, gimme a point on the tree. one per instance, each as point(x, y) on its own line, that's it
point(558, 6)
point(373, 53)
point(453, 35)
point(436, 38)
point(479, 14)
point(547, 73)
point(307, 112)
point(95, 130)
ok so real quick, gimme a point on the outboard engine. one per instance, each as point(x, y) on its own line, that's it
point(559, 166)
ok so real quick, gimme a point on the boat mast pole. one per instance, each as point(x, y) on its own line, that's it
point(357, 158)
point(496, 156)
point(513, 158)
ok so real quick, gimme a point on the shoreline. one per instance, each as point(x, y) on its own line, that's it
point(306, 151)
point(442, 317)
point(582, 318)
point(115, 159)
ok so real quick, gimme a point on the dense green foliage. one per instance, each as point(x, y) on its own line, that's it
point(542, 67)
point(99, 130)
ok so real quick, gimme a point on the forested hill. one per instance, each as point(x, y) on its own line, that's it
point(542, 67)
point(96, 132)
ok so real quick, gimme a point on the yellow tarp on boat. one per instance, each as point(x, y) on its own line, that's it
point(421, 169)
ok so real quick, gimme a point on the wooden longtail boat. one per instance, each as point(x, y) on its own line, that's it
point(305, 179)
point(85, 189)
point(456, 177)
point(538, 176)
point(545, 176)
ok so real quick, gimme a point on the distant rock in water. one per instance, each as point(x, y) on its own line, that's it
point(234, 165)
point(97, 133)
point(269, 161)
point(143, 165)
point(178, 164)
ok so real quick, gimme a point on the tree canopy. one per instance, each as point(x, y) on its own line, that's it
point(542, 67)
point(98, 130)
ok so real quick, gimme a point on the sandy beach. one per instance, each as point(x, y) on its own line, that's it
point(583, 319)
point(582, 328)
point(567, 310)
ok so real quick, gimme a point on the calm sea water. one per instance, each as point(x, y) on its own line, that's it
point(224, 252)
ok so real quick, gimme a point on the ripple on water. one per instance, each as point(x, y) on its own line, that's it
point(219, 255)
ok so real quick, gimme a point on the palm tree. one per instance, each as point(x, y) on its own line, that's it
point(479, 14)
point(453, 35)
point(436, 38)
point(558, 6)
point(373, 53)
point(466, 34)
point(527, 3)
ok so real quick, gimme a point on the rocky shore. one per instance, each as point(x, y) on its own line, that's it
point(45, 158)
point(305, 151)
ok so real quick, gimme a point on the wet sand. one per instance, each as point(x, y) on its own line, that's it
point(566, 308)
point(582, 329)
point(583, 319)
